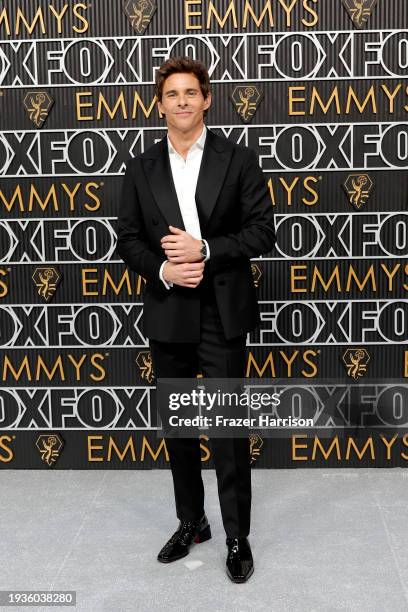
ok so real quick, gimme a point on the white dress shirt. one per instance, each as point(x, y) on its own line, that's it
point(185, 176)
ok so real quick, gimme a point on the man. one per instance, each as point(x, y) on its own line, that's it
point(194, 209)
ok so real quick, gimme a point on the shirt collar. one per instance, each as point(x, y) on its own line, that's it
point(199, 143)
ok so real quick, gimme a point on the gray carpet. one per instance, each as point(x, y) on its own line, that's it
point(322, 540)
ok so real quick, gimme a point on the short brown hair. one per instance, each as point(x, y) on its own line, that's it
point(183, 64)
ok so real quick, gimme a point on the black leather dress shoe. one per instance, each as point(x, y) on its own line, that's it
point(179, 544)
point(240, 564)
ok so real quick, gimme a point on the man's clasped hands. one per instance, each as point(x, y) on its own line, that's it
point(185, 264)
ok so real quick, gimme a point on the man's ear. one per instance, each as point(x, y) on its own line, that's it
point(159, 106)
point(208, 100)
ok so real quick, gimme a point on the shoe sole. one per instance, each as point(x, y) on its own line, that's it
point(201, 537)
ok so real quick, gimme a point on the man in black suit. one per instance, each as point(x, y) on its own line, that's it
point(194, 209)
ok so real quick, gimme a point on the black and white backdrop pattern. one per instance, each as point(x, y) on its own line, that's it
point(319, 88)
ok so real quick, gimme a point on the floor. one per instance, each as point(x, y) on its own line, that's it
point(322, 540)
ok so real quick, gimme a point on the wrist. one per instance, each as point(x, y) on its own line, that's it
point(165, 268)
point(203, 249)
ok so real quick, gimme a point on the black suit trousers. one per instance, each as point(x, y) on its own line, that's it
point(214, 357)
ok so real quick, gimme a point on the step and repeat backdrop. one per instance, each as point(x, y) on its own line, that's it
point(319, 89)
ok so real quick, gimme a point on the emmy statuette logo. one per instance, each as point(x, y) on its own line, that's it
point(256, 443)
point(38, 105)
point(49, 446)
point(256, 274)
point(145, 364)
point(139, 13)
point(246, 100)
point(46, 280)
point(359, 11)
point(356, 361)
point(358, 188)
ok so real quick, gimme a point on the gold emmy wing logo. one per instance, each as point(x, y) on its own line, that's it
point(359, 11)
point(256, 443)
point(49, 446)
point(246, 100)
point(38, 105)
point(358, 188)
point(144, 361)
point(256, 274)
point(46, 281)
point(139, 13)
point(356, 361)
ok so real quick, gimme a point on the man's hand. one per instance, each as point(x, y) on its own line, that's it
point(184, 274)
point(181, 247)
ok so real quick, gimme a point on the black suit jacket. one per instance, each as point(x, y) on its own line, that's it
point(236, 219)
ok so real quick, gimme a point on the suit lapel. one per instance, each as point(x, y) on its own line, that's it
point(160, 178)
point(214, 165)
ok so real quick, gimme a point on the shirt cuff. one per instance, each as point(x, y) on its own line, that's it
point(208, 250)
point(169, 284)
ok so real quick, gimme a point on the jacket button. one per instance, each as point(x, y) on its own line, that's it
point(221, 282)
point(155, 221)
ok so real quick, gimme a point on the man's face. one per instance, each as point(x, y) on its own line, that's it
point(183, 102)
